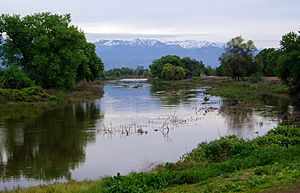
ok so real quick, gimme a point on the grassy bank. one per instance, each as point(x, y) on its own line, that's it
point(229, 164)
point(81, 92)
point(248, 92)
point(244, 91)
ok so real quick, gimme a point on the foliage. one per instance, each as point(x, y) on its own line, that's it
point(157, 66)
point(244, 166)
point(237, 60)
point(289, 61)
point(190, 66)
point(256, 77)
point(14, 78)
point(210, 71)
point(220, 157)
point(267, 61)
point(91, 67)
point(30, 94)
point(248, 92)
point(193, 67)
point(127, 72)
point(53, 52)
point(171, 72)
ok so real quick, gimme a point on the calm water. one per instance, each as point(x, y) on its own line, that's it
point(133, 127)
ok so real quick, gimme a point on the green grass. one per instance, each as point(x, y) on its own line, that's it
point(82, 92)
point(225, 157)
point(31, 94)
point(229, 164)
point(244, 91)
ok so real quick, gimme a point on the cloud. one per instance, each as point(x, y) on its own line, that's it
point(255, 19)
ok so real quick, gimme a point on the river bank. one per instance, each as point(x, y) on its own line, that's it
point(225, 165)
point(83, 91)
point(229, 164)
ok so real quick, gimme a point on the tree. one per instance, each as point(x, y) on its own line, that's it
point(168, 72)
point(191, 67)
point(14, 78)
point(54, 53)
point(171, 72)
point(157, 66)
point(267, 61)
point(237, 60)
point(91, 67)
point(289, 61)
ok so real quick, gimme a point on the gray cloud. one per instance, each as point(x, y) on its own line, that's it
point(255, 19)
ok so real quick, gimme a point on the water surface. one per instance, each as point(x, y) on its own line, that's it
point(133, 127)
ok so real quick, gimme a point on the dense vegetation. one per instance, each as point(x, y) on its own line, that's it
point(238, 59)
point(289, 61)
point(228, 164)
point(176, 68)
point(267, 60)
point(52, 52)
point(126, 72)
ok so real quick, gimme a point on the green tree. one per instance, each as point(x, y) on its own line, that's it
point(168, 72)
point(179, 73)
point(238, 60)
point(53, 52)
point(267, 61)
point(157, 66)
point(193, 67)
point(14, 78)
point(91, 67)
point(171, 72)
point(210, 71)
point(289, 61)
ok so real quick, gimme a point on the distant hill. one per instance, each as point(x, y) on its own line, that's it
point(125, 53)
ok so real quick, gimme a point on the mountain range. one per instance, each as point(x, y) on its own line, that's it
point(132, 53)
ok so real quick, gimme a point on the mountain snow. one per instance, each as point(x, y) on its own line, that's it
point(187, 44)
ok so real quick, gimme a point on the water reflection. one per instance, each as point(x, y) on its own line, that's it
point(45, 144)
point(138, 121)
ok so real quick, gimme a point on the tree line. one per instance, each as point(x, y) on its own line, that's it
point(46, 50)
point(127, 72)
point(239, 60)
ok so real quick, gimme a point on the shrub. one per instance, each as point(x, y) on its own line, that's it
point(256, 77)
point(14, 78)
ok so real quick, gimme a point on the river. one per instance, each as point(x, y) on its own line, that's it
point(133, 127)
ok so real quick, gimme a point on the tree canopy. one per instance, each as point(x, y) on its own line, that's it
point(267, 61)
point(238, 59)
point(289, 61)
point(54, 53)
point(166, 66)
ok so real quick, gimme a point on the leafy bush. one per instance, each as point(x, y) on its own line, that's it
point(171, 72)
point(175, 68)
point(26, 94)
point(256, 77)
point(14, 78)
point(220, 150)
point(219, 157)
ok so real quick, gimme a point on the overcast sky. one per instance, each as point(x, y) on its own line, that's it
point(263, 21)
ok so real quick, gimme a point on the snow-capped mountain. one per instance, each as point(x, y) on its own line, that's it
point(189, 44)
point(134, 42)
point(194, 44)
point(131, 53)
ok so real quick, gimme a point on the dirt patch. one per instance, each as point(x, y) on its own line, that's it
point(272, 80)
point(292, 189)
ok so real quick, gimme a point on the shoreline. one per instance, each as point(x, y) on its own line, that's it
point(221, 88)
point(262, 161)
